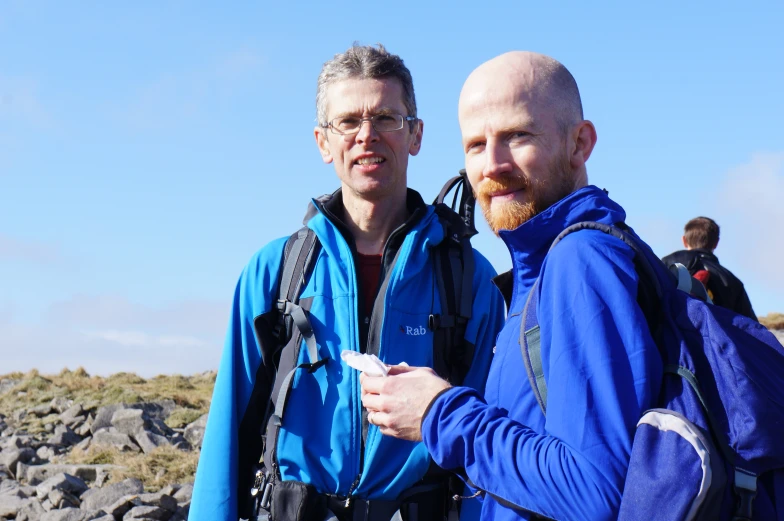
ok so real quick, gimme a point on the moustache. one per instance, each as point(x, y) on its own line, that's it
point(492, 186)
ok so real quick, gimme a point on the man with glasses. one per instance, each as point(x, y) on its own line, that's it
point(370, 288)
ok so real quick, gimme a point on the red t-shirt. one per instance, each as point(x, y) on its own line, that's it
point(369, 272)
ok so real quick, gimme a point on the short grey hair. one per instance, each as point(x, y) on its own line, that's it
point(364, 62)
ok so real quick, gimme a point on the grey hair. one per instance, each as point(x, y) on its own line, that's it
point(365, 62)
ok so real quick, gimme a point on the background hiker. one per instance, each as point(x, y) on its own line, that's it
point(700, 238)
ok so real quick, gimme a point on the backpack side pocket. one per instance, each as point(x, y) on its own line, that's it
point(675, 472)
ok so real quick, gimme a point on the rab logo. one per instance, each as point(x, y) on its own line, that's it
point(413, 331)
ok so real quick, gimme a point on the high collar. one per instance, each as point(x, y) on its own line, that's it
point(529, 243)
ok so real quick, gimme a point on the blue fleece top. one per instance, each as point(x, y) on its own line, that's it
point(321, 436)
point(601, 365)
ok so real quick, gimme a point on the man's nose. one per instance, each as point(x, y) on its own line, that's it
point(497, 161)
point(367, 133)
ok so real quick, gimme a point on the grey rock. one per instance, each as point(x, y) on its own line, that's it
point(45, 453)
point(63, 499)
point(194, 432)
point(148, 512)
point(99, 498)
point(17, 441)
point(19, 415)
point(11, 458)
point(41, 410)
point(149, 441)
point(101, 517)
point(60, 404)
point(184, 494)
point(5, 473)
point(64, 482)
point(6, 384)
point(73, 414)
point(129, 421)
point(103, 417)
point(66, 514)
point(32, 511)
point(64, 436)
point(85, 443)
point(169, 490)
point(119, 508)
point(9, 487)
point(159, 410)
point(116, 439)
point(35, 474)
point(157, 499)
point(10, 505)
point(85, 428)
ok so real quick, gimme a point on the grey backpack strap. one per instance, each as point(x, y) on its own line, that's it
point(531, 346)
point(293, 327)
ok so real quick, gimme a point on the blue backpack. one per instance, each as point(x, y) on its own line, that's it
point(713, 449)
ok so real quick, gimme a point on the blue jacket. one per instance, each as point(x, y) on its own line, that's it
point(321, 437)
point(601, 365)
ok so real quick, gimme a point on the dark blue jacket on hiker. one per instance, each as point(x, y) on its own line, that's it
point(602, 368)
point(321, 440)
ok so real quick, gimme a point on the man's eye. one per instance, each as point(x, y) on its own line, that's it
point(347, 123)
point(475, 146)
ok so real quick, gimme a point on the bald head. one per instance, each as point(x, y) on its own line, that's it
point(534, 79)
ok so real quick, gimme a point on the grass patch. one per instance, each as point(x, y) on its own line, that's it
point(180, 417)
point(773, 321)
point(191, 393)
point(161, 467)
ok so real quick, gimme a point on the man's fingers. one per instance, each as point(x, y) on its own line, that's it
point(372, 402)
point(400, 369)
point(371, 384)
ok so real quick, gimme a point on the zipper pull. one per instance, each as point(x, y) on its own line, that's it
point(351, 490)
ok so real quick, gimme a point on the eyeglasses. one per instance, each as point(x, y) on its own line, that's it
point(348, 125)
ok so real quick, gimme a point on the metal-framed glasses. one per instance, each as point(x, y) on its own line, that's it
point(348, 125)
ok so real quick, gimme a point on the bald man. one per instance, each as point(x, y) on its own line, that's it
point(564, 454)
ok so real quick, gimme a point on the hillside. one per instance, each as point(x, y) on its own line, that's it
point(78, 447)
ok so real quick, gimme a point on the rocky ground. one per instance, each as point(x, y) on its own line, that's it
point(75, 460)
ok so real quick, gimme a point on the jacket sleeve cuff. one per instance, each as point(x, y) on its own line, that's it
point(444, 425)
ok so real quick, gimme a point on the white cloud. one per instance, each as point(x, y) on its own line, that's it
point(109, 334)
point(751, 206)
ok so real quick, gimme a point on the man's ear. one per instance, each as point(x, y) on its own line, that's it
point(583, 139)
point(685, 242)
point(322, 142)
point(416, 142)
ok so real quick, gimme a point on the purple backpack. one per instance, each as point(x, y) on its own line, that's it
point(713, 448)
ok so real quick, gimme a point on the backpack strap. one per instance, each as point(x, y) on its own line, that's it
point(292, 327)
point(453, 268)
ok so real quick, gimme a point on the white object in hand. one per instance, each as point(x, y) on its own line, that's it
point(368, 364)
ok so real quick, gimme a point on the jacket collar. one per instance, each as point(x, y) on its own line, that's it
point(529, 243)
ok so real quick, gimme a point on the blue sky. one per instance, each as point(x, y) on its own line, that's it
point(147, 149)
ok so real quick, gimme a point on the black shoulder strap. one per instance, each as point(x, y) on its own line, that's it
point(453, 266)
point(292, 327)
